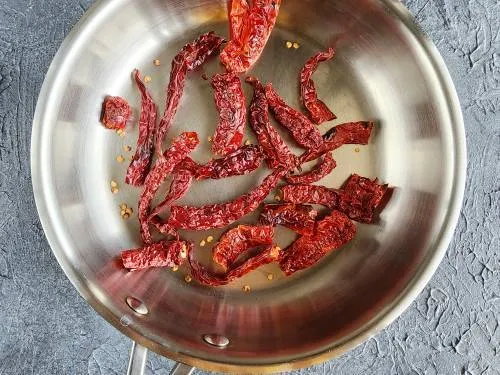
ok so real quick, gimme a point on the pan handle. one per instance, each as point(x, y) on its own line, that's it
point(137, 362)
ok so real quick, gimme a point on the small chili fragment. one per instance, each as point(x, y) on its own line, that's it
point(115, 113)
point(141, 162)
point(190, 57)
point(358, 132)
point(180, 148)
point(204, 276)
point(236, 241)
point(304, 132)
point(330, 234)
point(297, 217)
point(325, 166)
point(318, 111)
point(275, 149)
point(159, 254)
point(222, 214)
point(230, 103)
point(249, 34)
point(242, 161)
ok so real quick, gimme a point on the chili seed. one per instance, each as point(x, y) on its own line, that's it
point(288, 44)
point(126, 216)
point(147, 79)
point(296, 45)
point(114, 190)
point(184, 252)
point(156, 62)
point(127, 148)
point(277, 197)
point(246, 288)
point(113, 183)
point(123, 212)
point(356, 149)
point(209, 139)
point(129, 211)
point(119, 131)
point(123, 206)
point(175, 268)
point(270, 276)
point(247, 142)
point(202, 243)
point(120, 159)
point(210, 239)
point(187, 278)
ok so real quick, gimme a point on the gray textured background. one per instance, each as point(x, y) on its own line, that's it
point(452, 328)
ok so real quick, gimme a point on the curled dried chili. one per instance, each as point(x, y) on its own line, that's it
point(324, 167)
point(230, 102)
point(330, 234)
point(141, 162)
point(190, 57)
point(204, 276)
point(180, 148)
point(159, 254)
point(115, 112)
point(238, 240)
point(304, 132)
point(318, 111)
point(249, 34)
point(276, 151)
point(222, 214)
point(298, 217)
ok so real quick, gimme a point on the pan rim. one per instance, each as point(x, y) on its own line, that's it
point(383, 318)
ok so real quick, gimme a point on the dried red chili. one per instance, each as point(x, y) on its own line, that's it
point(330, 233)
point(238, 240)
point(297, 217)
point(190, 57)
point(180, 148)
point(318, 111)
point(160, 254)
point(239, 11)
point(325, 166)
point(204, 276)
point(275, 149)
point(115, 112)
point(359, 198)
point(141, 162)
point(230, 102)
point(304, 132)
point(222, 214)
point(358, 132)
point(242, 161)
point(246, 46)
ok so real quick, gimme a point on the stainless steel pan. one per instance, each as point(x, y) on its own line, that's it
point(385, 70)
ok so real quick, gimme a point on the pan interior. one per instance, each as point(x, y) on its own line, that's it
point(380, 72)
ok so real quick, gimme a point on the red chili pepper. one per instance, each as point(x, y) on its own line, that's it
point(325, 166)
point(359, 198)
point(238, 240)
point(140, 164)
point(238, 10)
point(297, 217)
point(160, 254)
point(180, 148)
point(222, 214)
point(330, 233)
point(230, 103)
point(190, 57)
point(115, 112)
point(318, 111)
point(275, 149)
point(204, 276)
point(242, 161)
point(358, 132)
point(304, 132)
point(243, 51)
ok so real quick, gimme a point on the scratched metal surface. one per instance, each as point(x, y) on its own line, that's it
point(452, 328)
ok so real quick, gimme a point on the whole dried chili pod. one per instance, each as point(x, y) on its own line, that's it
point(244, 50)
point(298, 217)
point(159, 254)
point(141, 162)
point(180, 148)
point(357, 132)
point(275, 149)
point(190, 57)
point(304, 132)
point(222, 214)
point(115, 112)
point(230, 102)
point(242, 161)
point(330, 234)
point(325, 166)
point(204, 276)
point(238, 11)
point(236, 241)
point(318, 111)
point(312, 194)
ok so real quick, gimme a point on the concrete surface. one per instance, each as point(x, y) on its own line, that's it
point(452, 328)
